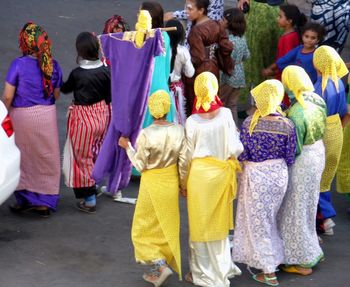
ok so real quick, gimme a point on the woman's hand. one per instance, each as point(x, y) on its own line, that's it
point(241, 2)
point(183, 192)
point(123, 142)
point(168, 16)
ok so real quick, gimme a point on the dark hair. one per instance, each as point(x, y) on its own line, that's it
point(176, 37)
point(315, 27)
point(293, 13)
point(156, 11)
point(236, 21)
point(87, 46)
point(202, 4)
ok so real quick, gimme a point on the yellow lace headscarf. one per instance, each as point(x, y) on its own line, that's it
point(268, 97)
point(143, 25)
point(328, 62)
point(296, 80)
point(206, 88)
point(159, 104)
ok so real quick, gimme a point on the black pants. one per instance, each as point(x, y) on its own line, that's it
point(82, 192)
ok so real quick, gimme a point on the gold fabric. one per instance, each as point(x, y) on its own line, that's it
point(268, 97)
point(156, 224)
point(343, 173)
point(159, 104)
point(144, 24)
point(211, 189)
point(296, 80)
point(206, 87)
point(329, 63)
point(333, 141)
point(158, 146)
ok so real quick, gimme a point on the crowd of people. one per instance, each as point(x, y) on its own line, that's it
point(173, 118)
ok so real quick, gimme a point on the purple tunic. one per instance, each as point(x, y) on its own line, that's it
point(273, 138)
point(25, 74)
point(131, 74)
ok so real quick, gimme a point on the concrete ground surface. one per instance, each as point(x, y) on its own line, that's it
point(74, 249)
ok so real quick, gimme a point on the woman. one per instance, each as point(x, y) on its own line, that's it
point(32, 86)
point(262, 36)
point(161, 71)
point(331, 68)
point(156, 225)
point(297, 216)
point(213, 147)
point(210, 48)
point(269, 141)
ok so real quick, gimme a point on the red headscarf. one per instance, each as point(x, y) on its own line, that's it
point(116, 22)
point(214, 105)
point(33, 40)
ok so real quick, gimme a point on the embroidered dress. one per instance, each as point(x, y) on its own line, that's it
point(129, 100)
point(267, 153)
point(298, 212)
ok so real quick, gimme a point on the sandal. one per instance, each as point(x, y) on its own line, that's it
point(266, 280)
point(158, 275)
point(296, 269)
point(88, 209)
point(189, 278)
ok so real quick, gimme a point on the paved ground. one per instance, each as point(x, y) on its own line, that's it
point(73, 249)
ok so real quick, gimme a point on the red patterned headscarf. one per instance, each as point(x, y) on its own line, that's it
point(33, 40)
point(116, 23)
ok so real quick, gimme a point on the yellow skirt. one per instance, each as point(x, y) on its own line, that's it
point(333, 142)
point(156, 225)
point(343, 173)
point(211, 189)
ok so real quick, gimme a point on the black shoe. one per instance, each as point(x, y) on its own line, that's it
point(16, 208)
point(88, 209)
point(41, 212)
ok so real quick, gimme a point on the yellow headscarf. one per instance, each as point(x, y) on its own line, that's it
point(206, 87)
point(268, 97)
point(159, 104)
point(296, 80)
point(143, 25)
point(328, 62)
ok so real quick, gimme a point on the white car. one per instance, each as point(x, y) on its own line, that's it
point(10, 156)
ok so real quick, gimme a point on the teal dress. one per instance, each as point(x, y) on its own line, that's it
point(160, 78)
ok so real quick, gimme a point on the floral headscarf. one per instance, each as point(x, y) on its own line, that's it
point(330, 64)
point(268, 97)
point(296, 80)
point(116, 22)
point(206, 89)
point(33, 40)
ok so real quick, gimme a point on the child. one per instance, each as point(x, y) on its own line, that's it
point(156, 224)
point(290, 20)
point(87, 119)
point(116, 24)
point(231, 84)
point(312, 34)
point(210, 48)
point(330, 87)
point(180, 63)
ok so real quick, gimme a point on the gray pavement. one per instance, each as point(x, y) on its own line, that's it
point(74, 249)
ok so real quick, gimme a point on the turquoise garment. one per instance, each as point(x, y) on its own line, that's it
point(310, 123)
point(239, 54)
point(160, 79)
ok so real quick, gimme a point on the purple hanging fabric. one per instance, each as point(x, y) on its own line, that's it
point(131, 73)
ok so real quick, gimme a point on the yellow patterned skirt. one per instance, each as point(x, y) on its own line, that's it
point(343, 173)
point(211, 189)
point(156, 225)
point(333, 141)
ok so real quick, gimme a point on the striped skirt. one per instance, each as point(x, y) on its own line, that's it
point(86, 128)
point(36, 135)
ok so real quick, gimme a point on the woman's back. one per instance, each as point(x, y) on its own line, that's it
point(216, 137)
